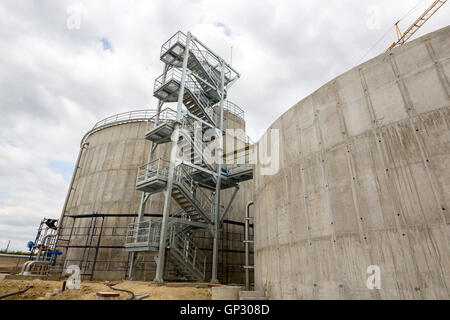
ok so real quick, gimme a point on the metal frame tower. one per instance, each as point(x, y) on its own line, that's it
point(197, 79)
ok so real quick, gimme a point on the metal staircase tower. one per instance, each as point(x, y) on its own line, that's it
point(197, 80)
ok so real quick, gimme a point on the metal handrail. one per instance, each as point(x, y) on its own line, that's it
point(183, 176)
point(144, 232)
point(157, 167)
point(194, 87)
point(166, 115)
point(149, 233)
point(130, 116)
point(160, 168)
point(190, 254)
point(207, 59)
point(125, 116)
point(232, 108)
point(191, 85)
point(177, 37)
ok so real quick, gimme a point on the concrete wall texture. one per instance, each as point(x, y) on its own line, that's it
point(364, 180)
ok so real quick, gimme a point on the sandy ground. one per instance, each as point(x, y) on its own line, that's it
point(89, 289)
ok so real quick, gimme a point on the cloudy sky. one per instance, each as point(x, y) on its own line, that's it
point(65, 65)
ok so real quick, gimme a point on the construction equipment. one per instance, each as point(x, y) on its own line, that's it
point(402, 38)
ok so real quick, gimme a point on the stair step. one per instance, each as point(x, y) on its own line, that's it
point(253, 298)
point(252, 295)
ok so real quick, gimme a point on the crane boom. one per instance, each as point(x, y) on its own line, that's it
point(402, 38)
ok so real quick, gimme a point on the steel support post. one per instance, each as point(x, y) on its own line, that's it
point(144, 196)
point(173, 155)
point(219, 152)
point(236, 189)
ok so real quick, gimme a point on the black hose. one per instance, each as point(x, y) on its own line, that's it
point(17, 292)
point(123, 290)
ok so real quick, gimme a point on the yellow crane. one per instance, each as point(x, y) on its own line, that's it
point(402, 38)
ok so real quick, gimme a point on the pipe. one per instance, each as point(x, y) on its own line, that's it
point(27, 266)
point(246, 242)
point(123, 290)
point(60, 222)
point(38, 257)
point(17, 292)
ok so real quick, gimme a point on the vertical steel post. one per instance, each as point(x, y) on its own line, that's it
point(173, 155)
point(246, 242)
point(219, 151)
point(144, 197)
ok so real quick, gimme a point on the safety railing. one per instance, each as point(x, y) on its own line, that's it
point(147, 232)
point(231, 108)
point(125, 116)
point(166, 115)
point(195, 146)
point(177, 37)
point(183, 177)
point(171, 74)
point(191, 256)
point(211, 65)
point(191, 85)
point(160, 168)
point(137, 115)
point(157, 168)
point(207, 59)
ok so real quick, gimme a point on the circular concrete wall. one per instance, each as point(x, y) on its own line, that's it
point(363, 180)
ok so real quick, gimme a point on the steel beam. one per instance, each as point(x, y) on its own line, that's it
point(236, 189)
point(173, 155)
point(219, 152)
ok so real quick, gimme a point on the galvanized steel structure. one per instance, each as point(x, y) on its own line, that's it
point(198, 79)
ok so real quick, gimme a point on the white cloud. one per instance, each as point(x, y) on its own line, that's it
point(55, 82)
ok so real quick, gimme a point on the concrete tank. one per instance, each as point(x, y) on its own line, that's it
point(364, 180)
point(104, 183)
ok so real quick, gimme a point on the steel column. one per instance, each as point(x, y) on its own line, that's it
point(219, 151)
point(173, 155)
point(144, 196)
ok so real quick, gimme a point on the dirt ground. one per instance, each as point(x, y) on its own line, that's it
point(88, 290)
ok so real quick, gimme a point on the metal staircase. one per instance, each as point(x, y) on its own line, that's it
point(188, 260)
point(197, 79)
point(195, 99)
point(152, 178)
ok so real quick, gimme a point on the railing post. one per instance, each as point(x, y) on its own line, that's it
point(204, 267)
point(195, 254)
point(151, 234)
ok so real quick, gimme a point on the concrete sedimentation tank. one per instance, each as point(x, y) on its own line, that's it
point(364, 180)
point(103, 200)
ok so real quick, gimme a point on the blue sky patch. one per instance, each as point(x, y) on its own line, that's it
point(106, 44)
point(225, 28)
point(4, 195)
point(62, 167)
